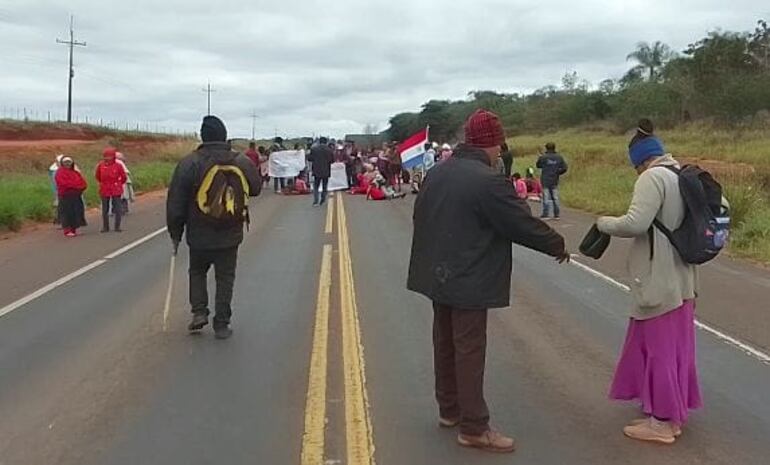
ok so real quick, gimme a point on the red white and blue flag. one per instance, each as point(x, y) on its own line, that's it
point(412, 150)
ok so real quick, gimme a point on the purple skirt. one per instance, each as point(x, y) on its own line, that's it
point(657, 365)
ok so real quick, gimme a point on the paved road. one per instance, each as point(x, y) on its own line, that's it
point(331, 355)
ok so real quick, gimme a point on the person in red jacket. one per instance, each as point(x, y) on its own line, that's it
point(111, 177)
point(70, 185)
point(253, 154)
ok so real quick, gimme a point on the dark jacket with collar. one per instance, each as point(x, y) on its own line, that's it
point(465, 219)
point(180, 201)
point(321, 157)
point(553, 166)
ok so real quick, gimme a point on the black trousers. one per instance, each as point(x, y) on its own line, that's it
point(459, 356)
point(224, 262)
point(319, 182)
point(117, 210)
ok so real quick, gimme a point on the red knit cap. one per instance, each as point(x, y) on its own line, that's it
point(110, 153)
point(483, 130)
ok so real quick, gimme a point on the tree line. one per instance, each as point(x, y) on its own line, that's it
point(723, 77)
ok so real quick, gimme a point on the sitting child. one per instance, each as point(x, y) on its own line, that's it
point(521, 186)
point(297, 187)
point(382, 190)
point(364, 180)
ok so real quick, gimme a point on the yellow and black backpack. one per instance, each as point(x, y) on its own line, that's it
point(223, 195)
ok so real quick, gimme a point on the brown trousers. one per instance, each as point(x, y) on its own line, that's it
point(459, 355)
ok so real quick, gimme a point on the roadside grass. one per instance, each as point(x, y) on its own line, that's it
point(600, 179)
point(28, 195)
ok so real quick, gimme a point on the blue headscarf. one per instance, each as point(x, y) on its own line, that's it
point(644, 149)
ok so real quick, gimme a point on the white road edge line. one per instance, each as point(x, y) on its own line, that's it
point(79, 272)
point(726, 338)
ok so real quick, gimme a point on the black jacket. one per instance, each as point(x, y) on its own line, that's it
point(180, 202)
point(465, 219)
point(553, 166)
point(322, 157)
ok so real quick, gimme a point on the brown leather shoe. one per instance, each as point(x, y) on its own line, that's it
point(448, 422)
point(492, 441)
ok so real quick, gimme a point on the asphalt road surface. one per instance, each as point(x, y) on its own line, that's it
point(331, 358)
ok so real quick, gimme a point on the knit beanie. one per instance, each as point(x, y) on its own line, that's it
point(644, 149)
point(483, 130)
point(213, 129)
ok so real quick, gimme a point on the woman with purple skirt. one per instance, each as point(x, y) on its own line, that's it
point(657, 363)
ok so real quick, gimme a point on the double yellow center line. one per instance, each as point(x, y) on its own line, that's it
point(358, 425)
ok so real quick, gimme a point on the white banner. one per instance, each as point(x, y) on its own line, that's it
point(286, 163)
point(339, 179)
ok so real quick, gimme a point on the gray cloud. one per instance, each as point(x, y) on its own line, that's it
point(323, 67)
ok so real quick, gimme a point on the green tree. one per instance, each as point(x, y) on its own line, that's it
point(651, 58)
point(403, 125)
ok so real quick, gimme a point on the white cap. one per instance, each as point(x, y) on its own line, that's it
point(446, 147)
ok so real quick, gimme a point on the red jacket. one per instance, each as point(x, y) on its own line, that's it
point(111, 177)
point(69, 181)
point(253, 156)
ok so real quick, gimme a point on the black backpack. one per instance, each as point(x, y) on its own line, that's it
point(222, 195)
point(706, 225)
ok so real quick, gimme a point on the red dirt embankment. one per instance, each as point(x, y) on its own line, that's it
point(31, 147)
point(37, 131)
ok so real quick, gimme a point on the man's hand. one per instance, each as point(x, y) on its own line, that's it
point(564, 257)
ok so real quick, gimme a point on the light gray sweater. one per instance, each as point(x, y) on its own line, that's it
point(663, 283)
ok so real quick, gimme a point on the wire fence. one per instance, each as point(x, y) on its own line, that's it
point(25, 114)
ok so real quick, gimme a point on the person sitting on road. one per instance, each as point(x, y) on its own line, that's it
point(534, 188)
point(298, 186)
point(416, 183)
point(382, 190)
point(364, 180)
point(657, 366)
point(70, 186)
point(520, 186)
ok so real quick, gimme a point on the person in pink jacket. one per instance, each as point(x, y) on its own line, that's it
point(520, 185)
point(111, 178)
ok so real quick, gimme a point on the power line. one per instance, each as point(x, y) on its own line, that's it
point(208, 91)
point(72, 43)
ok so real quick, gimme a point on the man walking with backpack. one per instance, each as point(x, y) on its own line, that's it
point(552, 166)
point(208, 199)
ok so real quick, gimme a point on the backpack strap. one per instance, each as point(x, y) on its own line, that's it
point(656, 224)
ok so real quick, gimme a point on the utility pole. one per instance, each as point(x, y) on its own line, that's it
point(72, 43)
point(254, 117)
point(208, 91)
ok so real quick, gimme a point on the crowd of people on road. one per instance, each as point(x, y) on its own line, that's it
point(470, 207)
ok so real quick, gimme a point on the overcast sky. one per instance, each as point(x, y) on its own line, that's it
point(326, 67)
